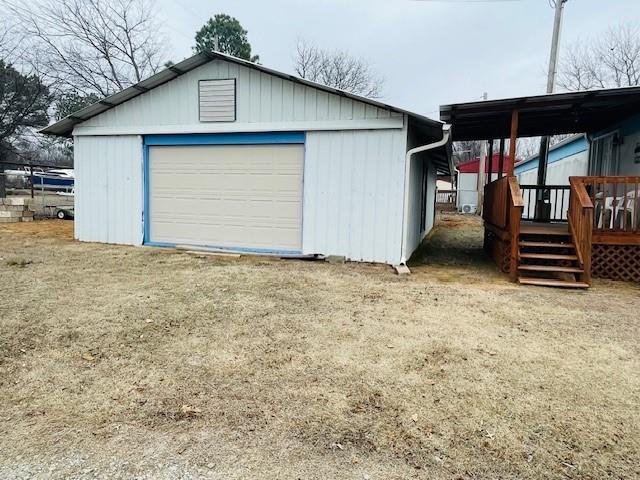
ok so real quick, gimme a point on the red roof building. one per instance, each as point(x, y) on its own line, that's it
point(473, 166)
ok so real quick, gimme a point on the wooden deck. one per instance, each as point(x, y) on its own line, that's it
point(597, 233)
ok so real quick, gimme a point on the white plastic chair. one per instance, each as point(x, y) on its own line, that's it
point(630, 202)
point(607, 207)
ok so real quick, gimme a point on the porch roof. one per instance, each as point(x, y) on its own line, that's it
point(554, 114)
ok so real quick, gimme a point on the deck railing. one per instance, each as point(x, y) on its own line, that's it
point(446, 197)
point(581, 224)
point(547, 203)
point(599, 211)
point(495, 202)
point(503, 209)
point(616, 204)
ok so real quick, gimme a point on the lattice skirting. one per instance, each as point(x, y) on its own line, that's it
point(616, 262)
point(498, 250)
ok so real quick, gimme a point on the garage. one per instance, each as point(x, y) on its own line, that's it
point(240, 197)
point(223, 154)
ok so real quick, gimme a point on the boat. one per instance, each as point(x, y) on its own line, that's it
point(54, 179)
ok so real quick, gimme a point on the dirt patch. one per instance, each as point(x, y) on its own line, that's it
point(454, 253)
point(52, 229)
point(139, 362)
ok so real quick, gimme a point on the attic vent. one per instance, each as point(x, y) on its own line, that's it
point(217, 100)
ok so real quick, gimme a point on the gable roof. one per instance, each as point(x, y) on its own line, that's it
point(65, 126)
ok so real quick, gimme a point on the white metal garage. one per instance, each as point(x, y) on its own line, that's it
point(219, 152)
point(227, 196)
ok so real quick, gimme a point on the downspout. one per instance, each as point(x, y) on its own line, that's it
point(446, 133)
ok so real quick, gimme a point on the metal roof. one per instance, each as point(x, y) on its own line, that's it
point(559, 113)
point(65, 126)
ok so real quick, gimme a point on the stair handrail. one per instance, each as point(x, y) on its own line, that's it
point(515, 206)
point(580, 216)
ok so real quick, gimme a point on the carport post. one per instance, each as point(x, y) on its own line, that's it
point(512, 141)
point(501, 161)
point(490, 160)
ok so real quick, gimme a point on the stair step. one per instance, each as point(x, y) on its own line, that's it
point(550, 268)
point(548, 256)
point(546, 282)
point(557, 230)
point(546, 244)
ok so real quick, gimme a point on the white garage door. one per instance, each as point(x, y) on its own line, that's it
point(230, 196)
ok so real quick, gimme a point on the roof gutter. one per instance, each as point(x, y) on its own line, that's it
point(446, 134)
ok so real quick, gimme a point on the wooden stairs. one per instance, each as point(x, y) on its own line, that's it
point(547, 257)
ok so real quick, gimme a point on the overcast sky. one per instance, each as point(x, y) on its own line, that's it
point(429, 52)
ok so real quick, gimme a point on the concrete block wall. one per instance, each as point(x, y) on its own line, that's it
point(13, 210)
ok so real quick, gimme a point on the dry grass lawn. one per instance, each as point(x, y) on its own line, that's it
point(121, 362)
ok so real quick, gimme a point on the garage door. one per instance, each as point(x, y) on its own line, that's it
point(230, 196)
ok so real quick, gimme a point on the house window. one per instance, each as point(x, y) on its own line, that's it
point(217, 100)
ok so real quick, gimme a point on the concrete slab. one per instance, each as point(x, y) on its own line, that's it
point(402, 270)
point(335, 259)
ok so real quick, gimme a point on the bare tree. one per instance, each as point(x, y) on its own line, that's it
point(91, 46)
point(337, 69)
point(466, 150)
point(611, 60)
point(528, 146)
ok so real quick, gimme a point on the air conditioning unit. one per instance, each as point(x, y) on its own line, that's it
point(469, 208)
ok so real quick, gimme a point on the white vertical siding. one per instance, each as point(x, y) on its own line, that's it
point(108, 189)
point(420, 164)
point(261, 98)
point(558, 173)
point(414, 234)
point(432, 180)
point(353, 194)
point(414, 206)
point(467, 189)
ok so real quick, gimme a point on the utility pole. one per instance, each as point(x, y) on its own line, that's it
point(551, 83)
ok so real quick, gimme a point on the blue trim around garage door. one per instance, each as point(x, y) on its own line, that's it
point(261, 138)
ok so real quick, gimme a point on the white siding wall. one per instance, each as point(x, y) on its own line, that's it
point(414, 206)
point(558, 173)
point(261, 98)
point(108, 189)
point(353, 166)
point(431, 199)
point(353, 194)
point(467, 189)
point(414, 234)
